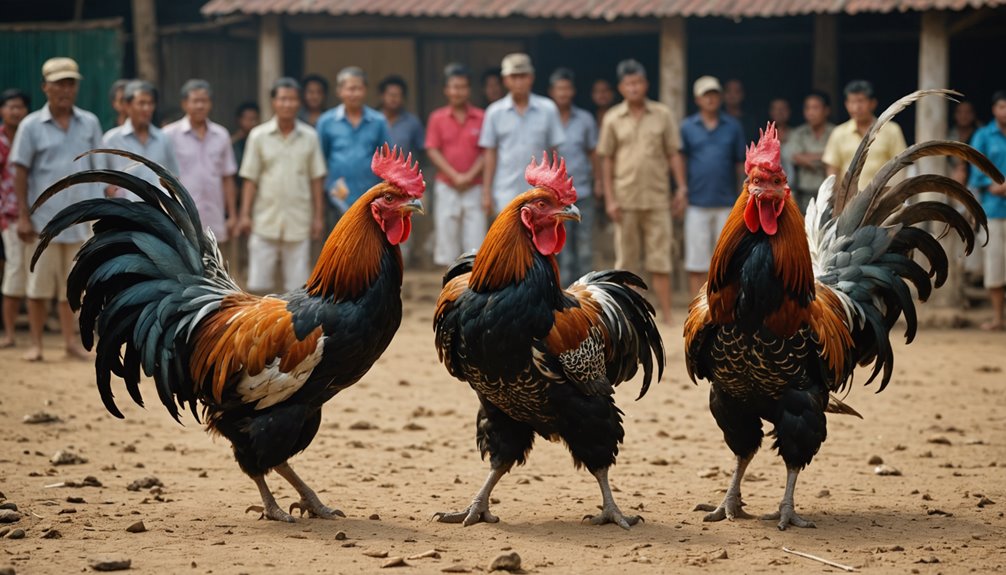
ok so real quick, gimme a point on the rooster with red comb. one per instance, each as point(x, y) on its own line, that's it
point(792, 307)
point(154, 289)
point(543, 360)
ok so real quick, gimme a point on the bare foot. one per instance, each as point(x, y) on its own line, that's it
point(992, 326)
point(78, 353)
point(7, 343)
point(34, 354)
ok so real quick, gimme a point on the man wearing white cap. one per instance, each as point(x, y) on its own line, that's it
point(43, 151)
point(712, 142)
point(515, 128)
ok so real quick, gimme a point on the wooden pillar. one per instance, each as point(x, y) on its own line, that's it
point(270, 58)
point(931, 124)
point(145, 40)
point(825, 70)
point(673, 64)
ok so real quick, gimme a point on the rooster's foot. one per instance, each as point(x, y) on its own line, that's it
point(477, 512)
point(787, 516)
point(731, 508)
point(272, 512)
point(315, 509)
point(612, 514)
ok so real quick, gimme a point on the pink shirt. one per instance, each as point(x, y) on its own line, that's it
point(8, 201)
point(202, 166)
point(457, 141)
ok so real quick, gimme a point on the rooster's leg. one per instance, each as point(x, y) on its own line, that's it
point(269, 509)
point(610, 513)
point(732, 506)
point(478, 511)
point(309, 501)
point(787, 512)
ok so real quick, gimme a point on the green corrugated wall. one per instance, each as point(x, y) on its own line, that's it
point(98, 51)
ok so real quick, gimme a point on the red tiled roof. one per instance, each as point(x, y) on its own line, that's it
point(594, 9)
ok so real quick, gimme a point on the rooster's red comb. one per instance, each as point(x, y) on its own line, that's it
point(766, 153)
point(551, 176)
point(392, 166)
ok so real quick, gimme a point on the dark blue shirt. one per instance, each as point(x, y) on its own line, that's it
point(348, 150)
point(991, 141)
point(712, 157)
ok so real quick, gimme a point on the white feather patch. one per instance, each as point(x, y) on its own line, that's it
point(272, 386)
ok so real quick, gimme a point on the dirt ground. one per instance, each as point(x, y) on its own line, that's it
point(399, 446)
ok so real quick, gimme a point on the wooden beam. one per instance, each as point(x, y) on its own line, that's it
point(825, 72)
point(931, 124)
point(101, 24)
point(487, 28)
point(145, 40)
point(674, 64)
point(270, 58)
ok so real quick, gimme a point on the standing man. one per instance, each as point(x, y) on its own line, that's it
point(206, 160)
point(733, 104)
point(248, 116)
point(405, 129)
point(139, 136)
point(349, 134)
point(315, 99)
point(492, 85)
point(43, 151)
point(806, 146)
point(712, 143)
point(282, 204)
point(991, 141)
point(580, 131)
point(603, 97)
point(516, 127)
point(14, 106)
point(452, 143)
point(639, 145)
point(845, 138)
point(115, 97)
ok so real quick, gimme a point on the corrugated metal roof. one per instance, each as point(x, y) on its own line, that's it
point(593, 9)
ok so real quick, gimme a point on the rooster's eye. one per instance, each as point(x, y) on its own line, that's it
point(756, 181)
point(541, 204)
point(387, 197)
point(778, 180)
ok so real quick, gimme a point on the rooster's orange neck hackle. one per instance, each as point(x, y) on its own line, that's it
point(350, 260)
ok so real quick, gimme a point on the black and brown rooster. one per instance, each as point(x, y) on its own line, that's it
point(543, 360)
point(152, 286)
point(791, 307)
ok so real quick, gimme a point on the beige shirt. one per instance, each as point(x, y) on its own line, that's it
point(640, 150)
point(844, 141)
point(283, 168)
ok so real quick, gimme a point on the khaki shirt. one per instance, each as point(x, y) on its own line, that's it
point(803, 141)
point(640, 149)
point(844, 141)
point(283, 168)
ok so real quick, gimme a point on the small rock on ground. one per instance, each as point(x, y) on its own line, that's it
point(506, 562)
point(145, 483)
point(9, 516)
point(111, 564)
point(137, 527)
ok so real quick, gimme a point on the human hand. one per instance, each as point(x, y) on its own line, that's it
point(232, 225)
point(613, 211)
point(245, 225)
point(317, 227)
point(679, 203)
point(487, 202)
point(25, 229)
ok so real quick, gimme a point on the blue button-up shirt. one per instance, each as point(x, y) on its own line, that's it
point(407, 133)
point(581, 139)
point(348, 150)
point(991, 141)
point(713, 156)
point(516, 138)
point(157, 148)
point(47, 152)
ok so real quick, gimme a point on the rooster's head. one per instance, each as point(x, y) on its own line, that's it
point(544, 208)
point(766, 183)
point(393, 201)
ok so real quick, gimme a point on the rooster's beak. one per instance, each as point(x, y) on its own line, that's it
point(569, 213)
point(414, 205)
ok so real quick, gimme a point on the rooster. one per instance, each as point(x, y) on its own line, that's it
point(543, 360)
point(152, 285)
point(792, 307)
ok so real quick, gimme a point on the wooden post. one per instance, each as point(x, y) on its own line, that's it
point(270, 58)
point(145, 40)
point(931, 124)
point(825, 70)
point(673, 64)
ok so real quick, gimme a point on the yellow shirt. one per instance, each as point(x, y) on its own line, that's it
point(640, 149)
point(844, 141)
point(283, 168)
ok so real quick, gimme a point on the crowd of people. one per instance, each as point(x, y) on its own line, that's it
point(273, 187)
